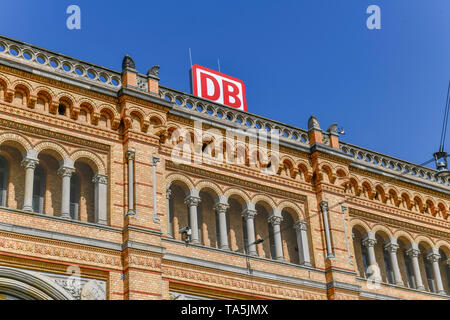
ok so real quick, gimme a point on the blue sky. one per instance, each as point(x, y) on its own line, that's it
point(298, 58)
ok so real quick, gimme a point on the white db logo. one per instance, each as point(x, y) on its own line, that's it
point(218, 87)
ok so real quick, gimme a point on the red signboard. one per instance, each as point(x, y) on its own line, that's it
point(218, 87)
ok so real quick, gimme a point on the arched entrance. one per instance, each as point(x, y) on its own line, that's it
point(16, 284)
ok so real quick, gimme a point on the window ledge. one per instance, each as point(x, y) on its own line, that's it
point(242, 255)
point(406, 288)
point(53, 218)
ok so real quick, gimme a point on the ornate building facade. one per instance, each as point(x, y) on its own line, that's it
point(95, 202)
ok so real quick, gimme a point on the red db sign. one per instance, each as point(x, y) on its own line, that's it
point(218, 87)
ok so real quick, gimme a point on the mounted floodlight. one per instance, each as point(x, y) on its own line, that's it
point(441, 156)
point(260, 240)
point(187, 232)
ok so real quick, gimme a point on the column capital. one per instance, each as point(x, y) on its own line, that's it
point(131, 154)
point(433, 256)
point(221, 204)
point(275, 220)
point(168, 192)
point(221, 207)
point(300, 226)
point(192, 201)
point(100, 179)
point(412, 250)
point(29, 163)
point(249, 213)
point(369, 240)
point(155, 160)
point(413, 253)
point(65, 171)
point(275, 217)
point(391, 245)
point(323, 206)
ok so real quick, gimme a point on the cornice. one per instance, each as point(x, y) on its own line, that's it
point(27, 73)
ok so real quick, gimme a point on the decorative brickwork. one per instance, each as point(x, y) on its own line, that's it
point(328, 219)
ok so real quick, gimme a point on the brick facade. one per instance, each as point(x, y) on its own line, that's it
point(143, 256)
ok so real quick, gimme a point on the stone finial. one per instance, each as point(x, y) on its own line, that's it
point(333, 128)
point(313, 123)
point(128, 63)
point(154, 71)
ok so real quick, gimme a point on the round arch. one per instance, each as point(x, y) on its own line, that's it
point(45, 91)
point(30, 285)
point(93, 160)
point(403, 234)
point(382, 230)
point(424, 240)
point(19, 141)
point(202, 185)
point(175, 177)
point(263, 198)
point(24, 84)
point(285, 204)
point(236, 192)
point(359, 223)
point(57, 150)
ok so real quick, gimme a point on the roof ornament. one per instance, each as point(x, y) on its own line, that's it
point(154, 71)
point(333, 129)
point(313, 123)
point(128, 63)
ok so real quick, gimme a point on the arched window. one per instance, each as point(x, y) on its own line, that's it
point(4, 170)
point(74, 196)
point(388, 267)
point(38, 189)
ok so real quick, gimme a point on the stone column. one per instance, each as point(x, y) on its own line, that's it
point(131, 154)
point(326, 226)
point(29, 162)
point(275, 220)
point(65, 171)
point(434, 256)
point(155, 160)
point(168, 216)
point(192, 201)
point(369, 242)
point(221, 208)
point(101, 198)
point(391, 246)
point(249, 214)
point(413, 252)
point(302, 243)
